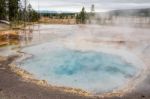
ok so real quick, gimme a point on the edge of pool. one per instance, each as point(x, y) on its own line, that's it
point(117, 92)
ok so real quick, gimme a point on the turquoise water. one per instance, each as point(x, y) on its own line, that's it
point(91, 71)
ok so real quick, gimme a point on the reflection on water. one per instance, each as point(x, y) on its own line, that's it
point(12, 39)
point(25, 37)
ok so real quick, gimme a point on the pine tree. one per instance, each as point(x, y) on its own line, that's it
point(82, 16)
point(3, 10)
point(32, 14)
point(77, 18)
point(93, 9)
point(13, 9)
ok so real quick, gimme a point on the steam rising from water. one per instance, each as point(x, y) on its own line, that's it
point(92, 71)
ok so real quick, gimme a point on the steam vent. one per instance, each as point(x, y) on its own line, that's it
point(74, 49)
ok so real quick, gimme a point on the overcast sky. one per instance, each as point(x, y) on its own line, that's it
point(76, 5)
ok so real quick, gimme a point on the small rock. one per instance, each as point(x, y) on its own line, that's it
point(143, 96)
point(1, 90)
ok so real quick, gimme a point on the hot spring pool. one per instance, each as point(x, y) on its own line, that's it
point(92, 71)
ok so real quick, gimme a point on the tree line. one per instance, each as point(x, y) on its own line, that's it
point(58, 15)
point(13, 10)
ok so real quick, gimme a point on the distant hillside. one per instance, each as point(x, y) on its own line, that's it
point(145, 12)
point(46, 11)
point(53, 12)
